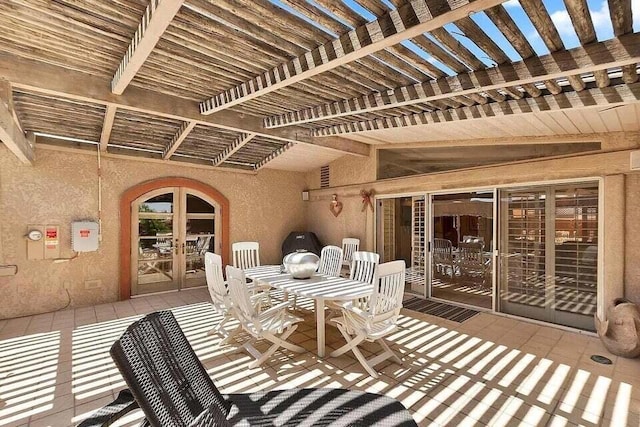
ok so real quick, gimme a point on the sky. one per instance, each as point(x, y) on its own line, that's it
point(556, 9)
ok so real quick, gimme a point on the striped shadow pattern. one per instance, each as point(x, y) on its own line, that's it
point(439, 309)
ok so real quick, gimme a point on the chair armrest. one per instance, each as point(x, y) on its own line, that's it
point(272, 311)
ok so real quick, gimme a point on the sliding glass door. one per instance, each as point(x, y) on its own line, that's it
point(461, 246)
point(549, 253)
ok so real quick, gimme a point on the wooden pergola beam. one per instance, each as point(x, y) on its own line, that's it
point(178, 139)
point(262, 163)
point(596, 56)
point(410, 20)
point(612, 95)
point(240, 142)
point(155, 21)
point(11, 133)
point(107, 125)
point(39, 77)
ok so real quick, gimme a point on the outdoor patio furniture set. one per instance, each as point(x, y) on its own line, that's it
point(169, 384)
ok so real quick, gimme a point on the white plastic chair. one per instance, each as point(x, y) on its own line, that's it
point(364, 268)
point(349, 246)
point(377, 319)
point(330, 261)
point(220, 295)
point(274, 325)
point(246, 255)
point(330, 265)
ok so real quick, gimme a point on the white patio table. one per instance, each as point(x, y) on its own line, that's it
point(318, 288)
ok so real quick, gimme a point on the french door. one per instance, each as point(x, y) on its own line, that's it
point(172, 229)
point(549, 253)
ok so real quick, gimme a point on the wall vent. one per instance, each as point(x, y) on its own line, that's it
point(324, 176)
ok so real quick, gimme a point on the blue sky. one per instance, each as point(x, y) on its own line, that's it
point(599, 14)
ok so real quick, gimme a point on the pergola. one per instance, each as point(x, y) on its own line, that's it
point(238, 84)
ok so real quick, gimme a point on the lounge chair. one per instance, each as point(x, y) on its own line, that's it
point(167, 381)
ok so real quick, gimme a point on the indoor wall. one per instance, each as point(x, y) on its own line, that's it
point(63, 187)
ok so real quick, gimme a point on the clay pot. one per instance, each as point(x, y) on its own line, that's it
point(620, 332)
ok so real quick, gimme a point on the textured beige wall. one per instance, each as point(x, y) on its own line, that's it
point(354, 223)
point(632, 238)
point(62, 187)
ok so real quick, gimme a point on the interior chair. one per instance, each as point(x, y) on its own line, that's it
point(443, 257)
point(472, 263)
point(275, 324)
point(376, 319)
point(473, 239)
point(171, 386)
point(349, 246)
point(220, 299)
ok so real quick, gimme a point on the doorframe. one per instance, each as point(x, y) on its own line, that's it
point(133, 193)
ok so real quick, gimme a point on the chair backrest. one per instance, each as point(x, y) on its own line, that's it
point(164, 374)
point(215, 280)
point(349, 246)
point(470, 254)
point(387, 296)
point(473, 239)
point(330, 261)
point(239, 294)
point(246, 254)
point(442, 250)
point(364, 266)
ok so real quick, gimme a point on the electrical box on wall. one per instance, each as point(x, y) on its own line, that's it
point(43, 241)
point(84, 236)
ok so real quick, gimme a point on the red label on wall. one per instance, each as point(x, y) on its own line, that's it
point(51, 233)
point(85, 233)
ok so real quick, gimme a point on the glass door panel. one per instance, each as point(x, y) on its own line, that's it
point(155, 255)
point(462, 248)
point(549, 253)
point(199, 238)
point(400, 236)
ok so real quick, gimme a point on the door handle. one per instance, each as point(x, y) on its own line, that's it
point(183, 245)
point(176, 247)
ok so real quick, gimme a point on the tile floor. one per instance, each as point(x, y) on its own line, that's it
point(490, 370)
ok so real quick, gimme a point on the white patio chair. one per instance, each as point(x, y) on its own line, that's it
point(246, 254)
point(443, 257)
point(377, 319)
point(364, 268)
point(349, 246)
point(330, 265)
point(330, 261)
point(274, 325)
point(220, 296)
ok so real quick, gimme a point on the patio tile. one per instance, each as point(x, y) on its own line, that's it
point(489, 370)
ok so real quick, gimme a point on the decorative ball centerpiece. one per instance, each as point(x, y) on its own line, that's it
point(301, 264)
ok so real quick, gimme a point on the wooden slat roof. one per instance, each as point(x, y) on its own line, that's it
point(226, 55)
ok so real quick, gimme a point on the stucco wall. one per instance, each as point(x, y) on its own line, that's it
point(632, 240)
point(62, 187)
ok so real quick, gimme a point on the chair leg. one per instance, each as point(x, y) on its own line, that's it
point(277, 343)
point(388, 350)
point(352, 342)
point(219, 327)
point(230, 336)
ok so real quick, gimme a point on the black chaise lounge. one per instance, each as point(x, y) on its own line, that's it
point(168, 382)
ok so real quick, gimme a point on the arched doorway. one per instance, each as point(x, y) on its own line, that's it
point(167, 225)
